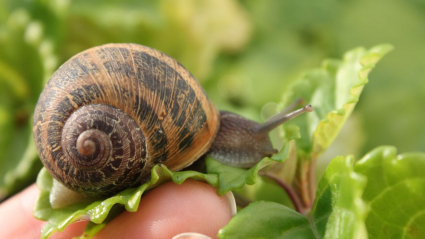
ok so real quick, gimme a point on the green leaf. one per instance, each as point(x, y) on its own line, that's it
point(267, 220)
point(338, 212)
point(333, 90)
point(225, 178)
point(19, 162)
point(395, 192)
point(27, 60)
point(150, 22)
point(98, 211)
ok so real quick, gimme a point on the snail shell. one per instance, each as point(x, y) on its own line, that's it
point(112, 112)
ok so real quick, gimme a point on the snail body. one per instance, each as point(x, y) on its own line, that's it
point(112, 112)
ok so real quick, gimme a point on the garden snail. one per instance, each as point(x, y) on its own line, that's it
point(111, 112)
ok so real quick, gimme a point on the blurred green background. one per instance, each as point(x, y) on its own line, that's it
point(243, 52)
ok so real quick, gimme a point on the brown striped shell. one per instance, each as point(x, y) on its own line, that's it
point(110, 113)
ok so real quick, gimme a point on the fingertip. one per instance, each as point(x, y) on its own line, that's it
point(16, 217)
point(172, 209)
point(190, 235)
point(231, 201)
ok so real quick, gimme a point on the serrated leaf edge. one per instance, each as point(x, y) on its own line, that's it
point(368, 62)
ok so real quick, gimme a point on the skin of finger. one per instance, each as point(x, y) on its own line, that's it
point(17, 221)
point(71, 231)
point(170, 210)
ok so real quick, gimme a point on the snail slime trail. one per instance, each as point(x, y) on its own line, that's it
point(112, 112)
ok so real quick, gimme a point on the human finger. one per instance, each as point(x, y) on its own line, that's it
point(172, 209)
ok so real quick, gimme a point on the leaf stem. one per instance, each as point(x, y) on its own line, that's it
point(290, 191)
point(301, 183)
point(312, 179)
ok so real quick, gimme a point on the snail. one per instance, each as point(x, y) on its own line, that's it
point(112, 112)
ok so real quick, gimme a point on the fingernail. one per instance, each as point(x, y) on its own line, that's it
point(191, 235)
point(230, 198)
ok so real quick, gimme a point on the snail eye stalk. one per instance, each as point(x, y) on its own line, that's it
point(281, 118)
point(243, 143)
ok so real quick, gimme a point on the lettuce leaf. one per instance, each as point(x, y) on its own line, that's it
point(395, 193)
point(225, 178)
point(338, 212)
point(333, 90)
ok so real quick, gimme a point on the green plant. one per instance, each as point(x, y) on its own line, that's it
point(345, 202)
point(380, 195)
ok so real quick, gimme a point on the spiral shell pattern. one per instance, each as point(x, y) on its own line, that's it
point(112, 112)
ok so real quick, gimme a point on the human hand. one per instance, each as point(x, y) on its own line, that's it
point(164, 212)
